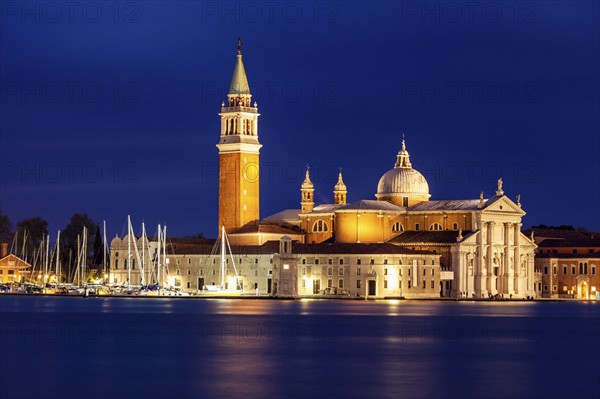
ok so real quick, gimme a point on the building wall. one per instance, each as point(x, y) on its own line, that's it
point(238, 189)
point(569, 277)
point(349, 275)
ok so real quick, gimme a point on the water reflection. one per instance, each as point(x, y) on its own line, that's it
point(130, 347)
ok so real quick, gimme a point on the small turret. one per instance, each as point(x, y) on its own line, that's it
point(308, 190)
point(340, 191)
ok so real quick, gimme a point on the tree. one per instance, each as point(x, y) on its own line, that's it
point(32, 231)
point(6, 228)
point(69, 239)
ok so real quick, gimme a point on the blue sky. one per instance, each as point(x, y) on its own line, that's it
point(112, 109)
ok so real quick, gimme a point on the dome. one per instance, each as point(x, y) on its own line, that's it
point(340, 186)
point(403, 180)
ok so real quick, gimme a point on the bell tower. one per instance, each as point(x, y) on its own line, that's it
point(308, 194)
point(239, 153)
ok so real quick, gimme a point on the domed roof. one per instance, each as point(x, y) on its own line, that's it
point(340, 186)
point(403, 180)
point(307, 184)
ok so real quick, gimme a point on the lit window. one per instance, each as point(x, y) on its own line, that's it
point(435, 227)
point(384, 283)
point(341, 283)
point(397, 227)
point(320, 227)
point(341, 271)
point(286, 266)
point(357, 283)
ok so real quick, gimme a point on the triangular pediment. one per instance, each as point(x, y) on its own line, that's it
point(502, 204)
point(13, 261)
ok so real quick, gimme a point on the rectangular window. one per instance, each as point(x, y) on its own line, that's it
point(572, 269)
point(554, 288)
point(424, 273)
point(432, 271)
point(341, 271)
point(358, 271)
point(593, 270)
point(303, 283)
point(329, 271)
point(11, 272)
point(189, 261)
point(564, 288)
point(385, 261)
point(271, 271)
point(177, 272)
point(432, 284)
point(417, 226)
point(304, 261)
point(372, 261)
point(554, 270)
point(256, 261)
point(330, 261)
point(255, 286)
point(358, 261)
point(357, 283)
point(316, 261)
point(455, 226)
point(385, 272)
point(545, 288)
point(564, 270)
point(188, 284)
point(545, 269)
point(304, 271)
point(384, 283)
point(341, 261)
point(574, 251)
point(329, 283)
point(213, 272)
point(341, 283)
point(201, 272)
point(189, 272)
point(409, 284)
point(423, 284)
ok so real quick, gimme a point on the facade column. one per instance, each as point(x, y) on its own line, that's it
point(255, 126)
point(222, 126)
point(506, 263)
point(490, 256)
point(514, 274)
point(479, 268)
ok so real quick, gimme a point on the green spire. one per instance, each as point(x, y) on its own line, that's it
point(239, 82)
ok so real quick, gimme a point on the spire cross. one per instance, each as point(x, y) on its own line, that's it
point(239, 45)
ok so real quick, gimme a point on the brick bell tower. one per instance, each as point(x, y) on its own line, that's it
point(239, 154)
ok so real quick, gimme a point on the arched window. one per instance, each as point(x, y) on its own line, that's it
point(435, 226)
point(320, 227)
point(397, 227)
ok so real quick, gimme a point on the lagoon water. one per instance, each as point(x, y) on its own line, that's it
point(64, 347)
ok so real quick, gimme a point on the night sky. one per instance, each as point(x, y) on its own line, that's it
point(111, 108)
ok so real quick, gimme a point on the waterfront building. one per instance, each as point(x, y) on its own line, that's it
point(470, 247)
point(12, 268)
point(567, 263)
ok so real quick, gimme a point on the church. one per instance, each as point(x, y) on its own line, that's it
point(401, 244)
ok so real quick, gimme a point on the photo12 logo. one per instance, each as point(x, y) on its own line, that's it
point(270, 12)
point(89, 92)
point(69, 12)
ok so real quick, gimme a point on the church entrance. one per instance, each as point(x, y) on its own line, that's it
point(316, 286)
point(582, 290)
point(372, 289)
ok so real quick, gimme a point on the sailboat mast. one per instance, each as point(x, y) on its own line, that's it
point(58, 258)
point(46, 263)
point(223, 257)
point(165, 260)
point(84, 256)
point(143, 263)
point(128, 251)
point(104, 249)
